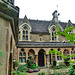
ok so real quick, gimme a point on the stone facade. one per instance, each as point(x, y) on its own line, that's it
point(8, 35)
point(35, 38)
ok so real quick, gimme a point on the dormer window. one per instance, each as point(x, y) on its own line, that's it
point(53, 33)
point(25, 33)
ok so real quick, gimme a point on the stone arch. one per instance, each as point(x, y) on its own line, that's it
point(41, 49)
point(25, 24)
point(50, 28)
point(24, 30)
point(66, 52)
point(22, 56)
point(41, 57)
point(31, 53)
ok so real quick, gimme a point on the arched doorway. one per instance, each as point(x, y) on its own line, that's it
point(41, 58)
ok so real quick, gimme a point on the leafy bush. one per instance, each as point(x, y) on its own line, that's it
point(57, 73)
point(22, 68)
point(19, 73)
point(72, 70)
point(73, 66)
point(54, 63)
point(42, 73)
point(15, 64)
point(66, 61)
point(61, 63)
point(31, 66)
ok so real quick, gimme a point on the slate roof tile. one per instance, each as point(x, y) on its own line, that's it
point(41, 26)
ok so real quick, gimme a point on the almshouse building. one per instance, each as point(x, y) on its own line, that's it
point(35, 38)
point(8, 35)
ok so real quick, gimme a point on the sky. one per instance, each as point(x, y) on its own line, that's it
point(43, 9)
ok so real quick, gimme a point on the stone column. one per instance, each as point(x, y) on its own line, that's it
point(70, 53)
point(47, 60)
point(21, 35)
point(26, 55)
point(62, 54)
point(36, 58)
point(55, 57)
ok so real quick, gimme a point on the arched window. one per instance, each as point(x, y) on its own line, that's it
point(72, 53)
point(53, 33)
point(58, 56)
point(25, 33)
point(22, 56)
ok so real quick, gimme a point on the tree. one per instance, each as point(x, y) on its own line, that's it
point(70, 37)
point(66, 33)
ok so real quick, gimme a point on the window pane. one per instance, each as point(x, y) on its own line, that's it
point(52, 38)
point(24, 54)
point(52, 33)
point(67, 53)
point(53, 57)
point(20, 54)
point(57, 57)
point(53, 29)
point(60, 58)
point(26, 32)
point(23, 32)
point(23, 37)
point(23, 60)
point(20, 60)
point(55, 38)
point(26, 37)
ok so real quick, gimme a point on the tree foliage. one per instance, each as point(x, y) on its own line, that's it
point(66, 33)
point(1, 53)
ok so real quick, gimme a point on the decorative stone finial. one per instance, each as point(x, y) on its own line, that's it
point(55, 16)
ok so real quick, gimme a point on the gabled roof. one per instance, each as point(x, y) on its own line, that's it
point(69, 24)
point(41, 26)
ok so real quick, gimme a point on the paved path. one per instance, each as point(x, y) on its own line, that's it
point(46, 70)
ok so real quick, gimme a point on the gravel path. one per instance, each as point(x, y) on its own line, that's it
point(46, 70)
